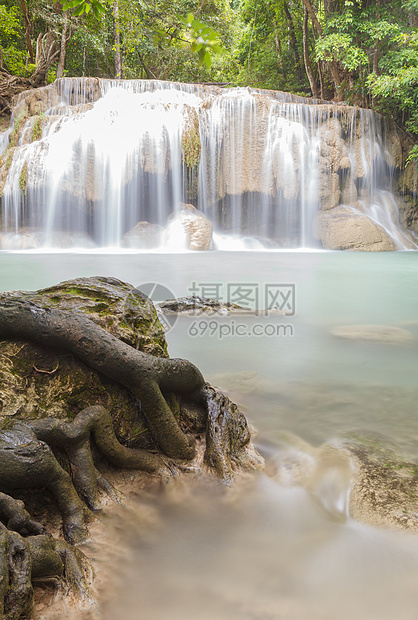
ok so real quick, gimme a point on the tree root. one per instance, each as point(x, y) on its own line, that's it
point(26, 460)
point(24, 559)
point(146, 376)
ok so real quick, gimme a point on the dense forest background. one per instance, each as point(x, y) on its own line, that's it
point(363, 52)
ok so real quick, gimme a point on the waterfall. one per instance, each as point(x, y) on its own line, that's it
point(108, 163)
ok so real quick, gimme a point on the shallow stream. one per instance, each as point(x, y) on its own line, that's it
point(270, 550)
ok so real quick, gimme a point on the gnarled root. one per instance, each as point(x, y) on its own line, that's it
point(18, 599)
point(146, 376)
point(34, 557)
point(15, 516)
point(74, 438)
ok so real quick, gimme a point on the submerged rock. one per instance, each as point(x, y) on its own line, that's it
point(378, 333)
point(195, 305)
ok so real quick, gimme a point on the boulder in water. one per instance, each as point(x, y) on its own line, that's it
point(38, 381)
point(197, 228)
point(195, 305)
point(344, 229)
point(384, 489)
point(377, 333)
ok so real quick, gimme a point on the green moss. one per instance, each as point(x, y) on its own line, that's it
point(23, 178)
point(191, 144)
point(37, 127)
point(7, 159)
point(15, 133)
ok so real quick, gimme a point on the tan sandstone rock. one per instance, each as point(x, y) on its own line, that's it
point(344, 229)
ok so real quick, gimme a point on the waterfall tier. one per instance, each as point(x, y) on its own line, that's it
point(141, 163)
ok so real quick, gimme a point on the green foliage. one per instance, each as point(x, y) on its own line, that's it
point(270, 53)
point(203, 39)
point(11, 41)
point(81, 7)
point(15, 61)
point(181, 40)
point(413, 156)
point(341, 47)
point(396, 89)
point(9, 22)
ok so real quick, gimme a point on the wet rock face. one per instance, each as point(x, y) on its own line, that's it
point(75, 91)
point(385, 489)
point(197, 228)
point(227, 437)
point(341, 229)
point(39, 381)
point(196, 305)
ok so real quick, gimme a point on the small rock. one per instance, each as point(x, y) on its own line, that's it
point(378, 333)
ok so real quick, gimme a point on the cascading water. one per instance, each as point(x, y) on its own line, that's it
point(90, 160)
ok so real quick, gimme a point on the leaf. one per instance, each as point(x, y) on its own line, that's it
point(207, 60)
point(79, 10)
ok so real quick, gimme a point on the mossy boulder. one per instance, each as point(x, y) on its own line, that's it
point(384, 490)
point(38, 381)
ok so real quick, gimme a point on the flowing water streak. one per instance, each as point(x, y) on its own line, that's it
point(371, 162)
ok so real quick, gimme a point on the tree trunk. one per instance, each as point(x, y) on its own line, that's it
point(292, 36)
point(321, 82)
point(27, 30)
point(116, 40)
point(63, 47)
point(308, 66)
point(38, 48)
point(150, 75)
point(332, 64)
point(47, 54)
point(278, 45)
